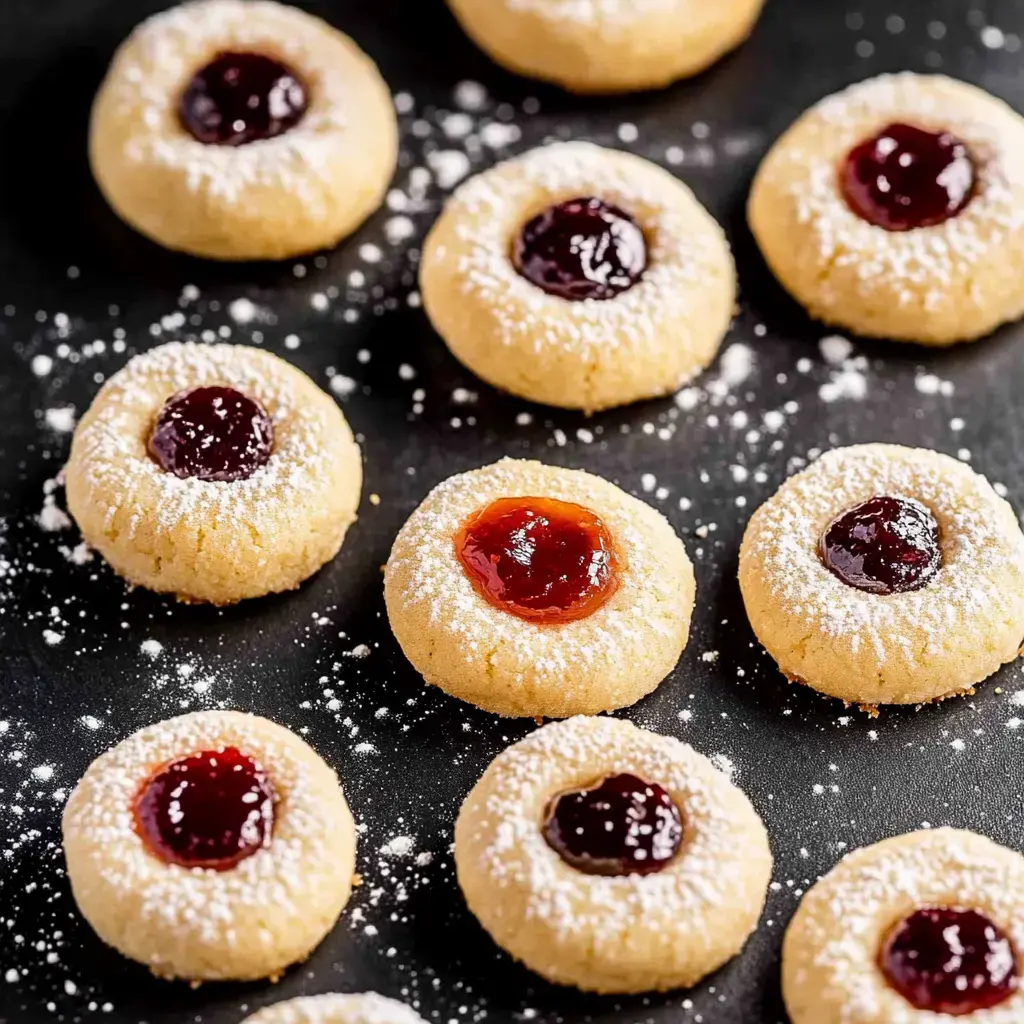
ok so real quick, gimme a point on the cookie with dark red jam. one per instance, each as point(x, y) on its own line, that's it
point(885, 575)
point(578, 276)
point(213, 473)
point(535, 591)
point(238, 130)
point(886, 210)
point(919, 927)
point(216, 846)
point(608, 857)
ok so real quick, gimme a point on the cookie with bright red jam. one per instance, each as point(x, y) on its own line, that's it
point(581, 248)
point(948, 960)
point(212, 433)
point(621, 825)
point(541, 559)
point(211, 810)
point(242, 97)
point(885, 545)
point(906, 177)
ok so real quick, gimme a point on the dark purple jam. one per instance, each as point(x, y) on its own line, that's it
point(212, 433)
point(905, 177)
point(242, 97)
point(949, 961)
point(208, 810)
point(883, 545)
point(620, 826)
point(581, 249)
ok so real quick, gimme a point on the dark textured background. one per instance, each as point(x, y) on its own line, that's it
point(269, 656)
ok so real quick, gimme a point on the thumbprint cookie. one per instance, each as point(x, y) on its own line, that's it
point(214, 473)
point(242, 130)
point(886, 575)
point(531, 590)
point(606, 46)
point(579, 277)
point(895, 209)
point(919, 928)
point(611, 858)
point(361, 1008)
point(213, 846)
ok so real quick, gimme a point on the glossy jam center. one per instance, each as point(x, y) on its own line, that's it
point(212, 433)
point(208, 810)
point(581, 249)
point(544, 560)
point(621, 826)
point(884, 545)
point(905, 177)
point(242, 97)
point(949, 961)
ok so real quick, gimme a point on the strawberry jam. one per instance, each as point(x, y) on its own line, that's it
point(949, 961)
point(622, 825)
point(242, 97)
point(208, 810)
point(581, 249)
point(883, 545)
point(212, 433)
point(905, 177)
point(544, 560)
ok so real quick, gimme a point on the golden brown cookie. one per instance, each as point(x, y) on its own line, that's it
point(610, 858)
point(606, 46)
point(531, 590)
point(212, 846)
point(214, 473)
point(920, 928)
point(894, 209)
point(242, 131)
point(356, 1008)
point(579, 277)
point(886, 575)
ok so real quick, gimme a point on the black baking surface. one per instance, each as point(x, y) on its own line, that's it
point(825, 778)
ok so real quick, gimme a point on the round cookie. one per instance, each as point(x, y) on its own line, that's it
point(157, 873)
point(606, 46)
point(631, 633)
point(361, 1008)
point(640, 341)
point(835, 947)
point(312, 161)
point(612, 933)
point(953, 626)
point(219, 539)
point(954, 279)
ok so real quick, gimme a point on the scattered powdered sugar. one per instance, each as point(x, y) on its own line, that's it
point(450, 166)
point(399, 846)
point(835, 349)
point(152, 648)
point(61, 419)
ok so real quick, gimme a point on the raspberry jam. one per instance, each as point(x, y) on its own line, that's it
point(621, 826)
point(212, 433)
point(581, 249)
point(208, 810)
point(242, 97)
point(883, 545)
point(949, 961)
point(544, 560)
point(905, 177)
